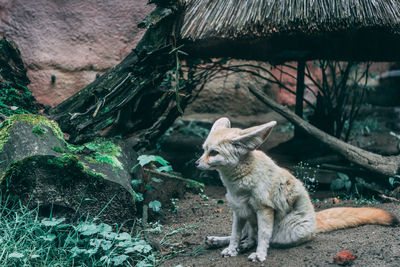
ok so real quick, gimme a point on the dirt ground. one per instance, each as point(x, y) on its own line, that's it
point(184, 232)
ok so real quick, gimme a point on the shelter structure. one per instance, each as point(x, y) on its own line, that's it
point(278, 31)
point(293, 30)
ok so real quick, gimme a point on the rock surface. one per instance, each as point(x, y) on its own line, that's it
point(72, 40)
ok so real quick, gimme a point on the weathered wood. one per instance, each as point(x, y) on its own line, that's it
point(135, 98)
point(384, 165)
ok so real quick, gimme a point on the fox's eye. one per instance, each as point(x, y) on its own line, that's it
point(213, 153)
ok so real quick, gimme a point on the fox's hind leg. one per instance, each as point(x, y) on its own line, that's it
point(248, 239)
point(293, 230)
point(217, 241)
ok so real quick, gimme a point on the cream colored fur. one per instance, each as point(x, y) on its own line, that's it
point(270, 206)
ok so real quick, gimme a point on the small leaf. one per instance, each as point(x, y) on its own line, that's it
point(118, 260)
point(155, 205)
point(164, 169)
point(143, 264)
point(88, 228)
point(52, 222)
point(106, 245)
point(343, 176)
point(337, 184)
point(123, 236)
point(16, 255)
point(136, 182)
point(125, 244)
point(49, 237)
point(156, 180)
point(138, 196)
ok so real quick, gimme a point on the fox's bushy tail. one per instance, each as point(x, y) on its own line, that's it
point(339, 218)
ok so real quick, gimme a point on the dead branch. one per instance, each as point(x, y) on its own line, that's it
point(383, 165)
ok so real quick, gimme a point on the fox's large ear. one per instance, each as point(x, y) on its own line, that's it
point(221, 124)
point(252, 138)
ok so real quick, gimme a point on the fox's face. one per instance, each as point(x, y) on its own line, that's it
point(225, 146)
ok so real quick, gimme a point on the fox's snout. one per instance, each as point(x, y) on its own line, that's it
point(200, 164)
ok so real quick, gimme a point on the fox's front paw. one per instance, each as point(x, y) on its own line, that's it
point(229, 252)
point(256, 256)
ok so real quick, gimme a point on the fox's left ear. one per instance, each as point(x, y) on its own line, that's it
point(252, 138)
point(221, 124)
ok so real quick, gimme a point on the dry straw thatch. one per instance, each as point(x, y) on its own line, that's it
point(233, 19)
point(211, 24)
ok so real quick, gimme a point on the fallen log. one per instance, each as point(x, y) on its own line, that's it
point(140, 97)
point(378, 164)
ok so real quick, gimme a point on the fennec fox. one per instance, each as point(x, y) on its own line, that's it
point(270, 206)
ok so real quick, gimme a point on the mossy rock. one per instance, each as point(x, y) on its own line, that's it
point(62, 187)
point(39, 166)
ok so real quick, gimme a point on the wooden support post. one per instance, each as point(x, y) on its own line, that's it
point(301, 65)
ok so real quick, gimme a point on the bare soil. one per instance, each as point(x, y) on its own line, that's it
point(184, 233)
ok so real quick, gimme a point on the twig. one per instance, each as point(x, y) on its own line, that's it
point(391, 199)
point(191, 182)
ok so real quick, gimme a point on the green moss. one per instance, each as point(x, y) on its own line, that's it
point(13, 170)
point(58, 149)
point(67, 162)
point(39, 131)
point(70, 161)
point(101, 151)
point(104, 152)
point(33, 119)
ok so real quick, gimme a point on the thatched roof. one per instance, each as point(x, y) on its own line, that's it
point(357, 29)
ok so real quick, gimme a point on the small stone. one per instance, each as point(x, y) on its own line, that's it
point(344, 258)
point(335, 200)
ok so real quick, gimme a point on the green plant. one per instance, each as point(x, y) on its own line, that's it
point(307, 174)
point(394, 180)
point(153, 162)
point(343, 182)
point(155, 205)
point(175, 206)
point(26, 239)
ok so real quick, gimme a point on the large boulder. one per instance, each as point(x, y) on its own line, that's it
point(40, 168)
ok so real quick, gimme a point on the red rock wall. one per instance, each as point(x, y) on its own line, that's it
point(71, 39)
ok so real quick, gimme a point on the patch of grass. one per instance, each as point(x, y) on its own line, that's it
point(26, 239)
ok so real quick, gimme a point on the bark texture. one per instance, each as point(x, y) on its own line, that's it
point(139, 97)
